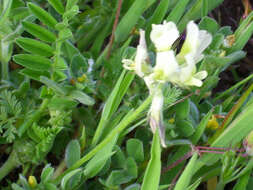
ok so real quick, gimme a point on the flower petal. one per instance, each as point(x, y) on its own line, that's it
point(201, 75)
point(187, 71)
point(128, 64)
point(191, 42)
point(166, 66)
point(164, 35)
point(141, 57)
point(194, 82)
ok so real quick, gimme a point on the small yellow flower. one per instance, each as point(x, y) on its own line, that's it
point(82, 78)
point(32, 181)
point(212, 123)
point(172, 120)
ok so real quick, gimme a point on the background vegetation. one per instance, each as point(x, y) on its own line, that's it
point(72, 118)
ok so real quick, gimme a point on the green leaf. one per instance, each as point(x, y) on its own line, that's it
point(135, 149)
point(152, 173)
point(243, 181)
point(16, 187)
point(50, 186)
point(133, 187)
point(129, 20)
point(47, 173)
point(42, 15)
point(72, 153)
point(53, 85)
point(158, 15)
point(113, 102)
point(242, 38)
point(62, 103)
point(69, 50)
point(58, 6)
point(182, 109)
point(67, 177)
point(99, 160)
point(131, 167)
point(35, 75)
point(187, 174)
point(195, 184)
point(233, 134)
point(35, 47)
point(118, 158)
point(39, 32)
point(201, 127)
point(185, 127)
point(70, 4)
point(118, 177)
point(209, 24)
point(82, 97)
point(204, 10)
point(33, 62)
point(194, 12)
point(177, 11)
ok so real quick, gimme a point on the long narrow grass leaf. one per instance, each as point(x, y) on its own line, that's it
point(152, 174)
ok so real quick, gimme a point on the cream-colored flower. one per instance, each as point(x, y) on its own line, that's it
point(141, 61)
point(188, 76)
point(166, 66)
point(164, 35)
point(195, 43)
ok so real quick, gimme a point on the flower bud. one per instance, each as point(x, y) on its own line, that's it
point(141, 62)
point(32, 181)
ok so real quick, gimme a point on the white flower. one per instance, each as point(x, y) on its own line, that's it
point(156, 114)
point(141, 62)
point(164, 35)
point(191, 53)
point(166, 66)
point(188, 75)
point(195, 43)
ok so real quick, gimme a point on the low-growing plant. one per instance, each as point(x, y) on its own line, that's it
point(120, 95)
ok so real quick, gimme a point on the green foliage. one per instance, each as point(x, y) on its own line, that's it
point(65, 98)
point(10, 112)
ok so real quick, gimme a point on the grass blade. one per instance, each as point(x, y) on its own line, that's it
point(152, 173)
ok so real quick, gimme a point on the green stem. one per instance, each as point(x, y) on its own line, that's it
point(35, 117)
point(9, 165)
point(129, 118)
point(57, 57)
point(5, 71)
point(220, 186)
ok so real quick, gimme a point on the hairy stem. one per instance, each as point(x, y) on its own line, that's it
point(9, 165)
point(35, 117)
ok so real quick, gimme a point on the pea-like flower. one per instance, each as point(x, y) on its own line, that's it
point(140, 64)
point(177, 69)
point(164, 35)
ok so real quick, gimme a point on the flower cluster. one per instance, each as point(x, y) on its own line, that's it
point(177, 69)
